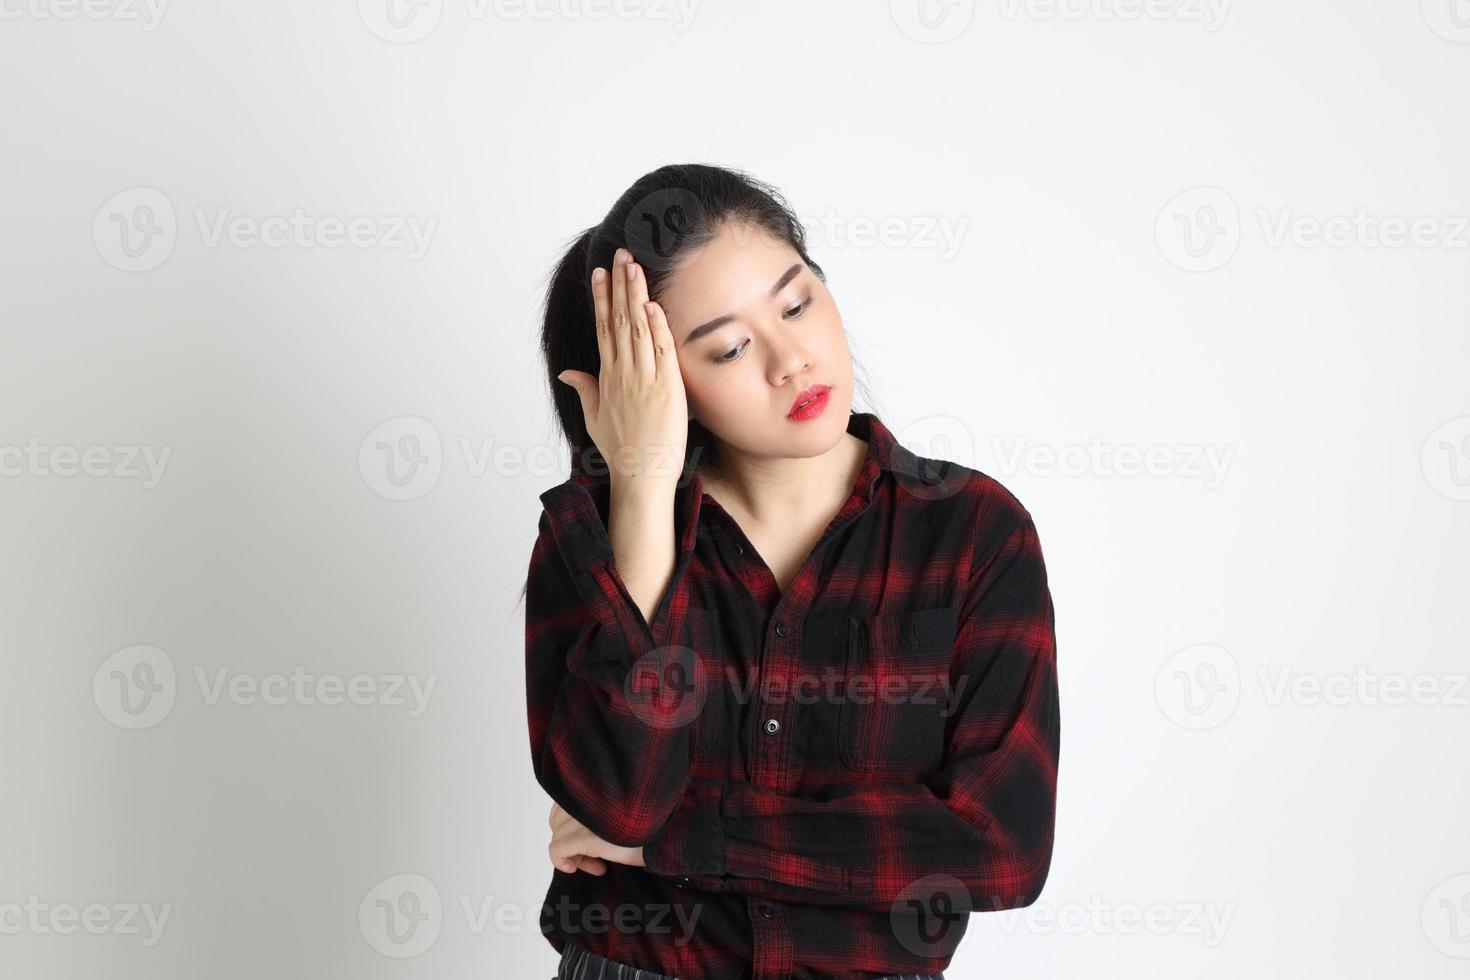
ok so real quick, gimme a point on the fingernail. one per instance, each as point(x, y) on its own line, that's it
point(598, 275)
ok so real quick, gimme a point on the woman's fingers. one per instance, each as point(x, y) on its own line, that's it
point(640, 343)
point(602, 304)
point(567, 858)
point(661, 337)
point(591, 865)
point(570, 842)
point(620, 325)
point(563, 851)
point(624, 327)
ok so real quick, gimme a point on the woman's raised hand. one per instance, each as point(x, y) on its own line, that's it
point(635, 409)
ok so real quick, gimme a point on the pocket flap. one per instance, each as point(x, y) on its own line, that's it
point(918, 630)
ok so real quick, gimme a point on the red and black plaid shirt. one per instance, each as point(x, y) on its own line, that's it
point(825, 781)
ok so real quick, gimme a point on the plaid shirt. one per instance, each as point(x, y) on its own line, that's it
point(825, 781)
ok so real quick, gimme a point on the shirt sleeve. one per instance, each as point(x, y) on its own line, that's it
point(609, 718)
point(985, 821)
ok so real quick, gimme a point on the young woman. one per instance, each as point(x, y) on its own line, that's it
point(791, 687)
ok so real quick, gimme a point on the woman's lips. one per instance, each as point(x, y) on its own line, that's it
point(813, 404)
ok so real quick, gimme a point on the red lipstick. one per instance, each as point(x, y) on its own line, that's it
point(809, 403)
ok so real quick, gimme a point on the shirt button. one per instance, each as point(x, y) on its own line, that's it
point(681, 882)
point(766, 911)
point(781, 628)
point(772, 726)
point(739, 548)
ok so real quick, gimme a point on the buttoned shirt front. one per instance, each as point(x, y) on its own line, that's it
point(825, 780)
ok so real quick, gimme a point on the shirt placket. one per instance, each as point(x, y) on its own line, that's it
point(773, 953)
point(771, 760)
point(769, 752)
point(770, 755)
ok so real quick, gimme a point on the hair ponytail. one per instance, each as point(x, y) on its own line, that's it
point(569, 340)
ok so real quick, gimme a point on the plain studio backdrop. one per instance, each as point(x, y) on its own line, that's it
point(1191, 278)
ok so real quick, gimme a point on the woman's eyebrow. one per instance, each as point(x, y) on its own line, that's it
point(720, 321)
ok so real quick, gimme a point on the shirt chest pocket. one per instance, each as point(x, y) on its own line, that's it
point(895, 705)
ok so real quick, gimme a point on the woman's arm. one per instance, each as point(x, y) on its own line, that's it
point(609, 719)
point(640, 529)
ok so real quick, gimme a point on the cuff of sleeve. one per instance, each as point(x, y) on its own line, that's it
point(692, 841)
point(576, 509)
point(580, 532)
point(574, 513)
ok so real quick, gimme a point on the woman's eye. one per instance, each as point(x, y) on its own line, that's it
point(796, 312)
point(732, 354)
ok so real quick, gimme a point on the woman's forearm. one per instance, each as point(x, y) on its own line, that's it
point(641, 532)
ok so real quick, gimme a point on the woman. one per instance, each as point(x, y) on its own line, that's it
point(791, 687)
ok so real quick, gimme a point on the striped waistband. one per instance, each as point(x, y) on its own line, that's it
point(579, 964)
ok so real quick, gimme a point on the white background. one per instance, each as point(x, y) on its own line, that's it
point(1131, 203)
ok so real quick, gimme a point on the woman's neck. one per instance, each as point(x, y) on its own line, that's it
point(767, 490)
